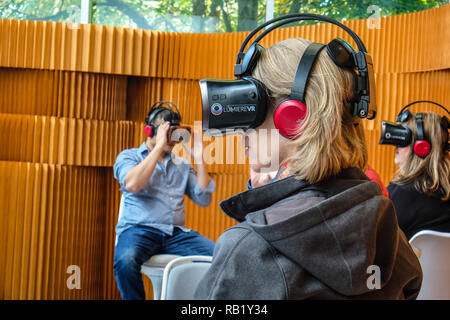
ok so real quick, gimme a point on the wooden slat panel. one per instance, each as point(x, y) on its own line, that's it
point(40, 245)
point(401, 44)
point(63, 94)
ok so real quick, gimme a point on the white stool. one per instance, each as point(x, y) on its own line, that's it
point(154, 269)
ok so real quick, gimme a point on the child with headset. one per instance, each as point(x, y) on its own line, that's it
point(322, 227)
point(153, 183)
point(420, 189)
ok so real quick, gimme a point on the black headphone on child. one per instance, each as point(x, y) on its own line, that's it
point(422, 147)
point(249, 97)
point(174, 117)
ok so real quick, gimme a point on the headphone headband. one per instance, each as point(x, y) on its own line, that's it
point(359, 62)
point(419, 124)
point(161, 105)
point(420, 101)
point(293, 18)
point(303, 71)
point(158, 104)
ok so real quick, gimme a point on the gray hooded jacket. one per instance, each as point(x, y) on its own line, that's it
point(338, 239)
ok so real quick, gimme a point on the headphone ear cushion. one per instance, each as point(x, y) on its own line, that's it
point(148, 131)
point(288, 117)
point(341, 53)
point(249, 60)
point(403, 116)
point(422, 148)
point(176, 118)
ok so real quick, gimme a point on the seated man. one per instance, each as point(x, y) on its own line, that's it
point(154, 182)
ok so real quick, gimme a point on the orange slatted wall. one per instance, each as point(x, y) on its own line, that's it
point(72, 99)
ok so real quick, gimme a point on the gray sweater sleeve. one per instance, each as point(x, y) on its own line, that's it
point(236, 271)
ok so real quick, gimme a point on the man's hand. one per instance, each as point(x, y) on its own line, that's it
point(161, 135)
point(196, 152)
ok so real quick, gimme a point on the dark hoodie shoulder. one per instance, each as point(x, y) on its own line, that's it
point(328, 250)
point(244, 267)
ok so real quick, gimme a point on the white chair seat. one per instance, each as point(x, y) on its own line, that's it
point(160, 260)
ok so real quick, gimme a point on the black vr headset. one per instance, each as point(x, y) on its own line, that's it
point(242, 103)
point(399, 135)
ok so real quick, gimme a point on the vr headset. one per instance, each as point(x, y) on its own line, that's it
point(241, 104)
point(400, 135)
point(176, 132)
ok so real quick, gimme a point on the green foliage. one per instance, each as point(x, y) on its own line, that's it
point(52, 10)
point(201, 15)
point(353, 9)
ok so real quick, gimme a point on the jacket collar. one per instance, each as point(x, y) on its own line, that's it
point(241, 204)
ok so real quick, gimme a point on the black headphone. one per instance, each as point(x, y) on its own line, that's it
point(293, 110)
point(174, 117)
point(422, 147)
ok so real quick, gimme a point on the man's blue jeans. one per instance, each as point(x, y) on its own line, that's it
point(137, 244)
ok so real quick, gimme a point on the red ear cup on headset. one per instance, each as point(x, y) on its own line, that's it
point(288, 117)
point(290, 113)
point(148, 131)
point(422, 148)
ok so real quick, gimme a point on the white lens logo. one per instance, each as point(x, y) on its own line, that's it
point(216, 109)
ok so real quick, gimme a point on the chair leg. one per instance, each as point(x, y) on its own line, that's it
point(156, 283)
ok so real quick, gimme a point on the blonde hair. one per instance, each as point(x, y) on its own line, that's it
point(432, 173)
point(329, 141)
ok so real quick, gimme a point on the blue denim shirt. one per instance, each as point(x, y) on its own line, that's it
point(160, 204)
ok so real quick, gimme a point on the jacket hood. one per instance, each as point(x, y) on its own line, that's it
point(337, 239)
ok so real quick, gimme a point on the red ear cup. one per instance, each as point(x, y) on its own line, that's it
point(288, 117)
point(422, 148)
point(148, 131)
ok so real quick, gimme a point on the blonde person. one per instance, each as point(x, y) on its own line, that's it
point(322, 230)
point(420, 189)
